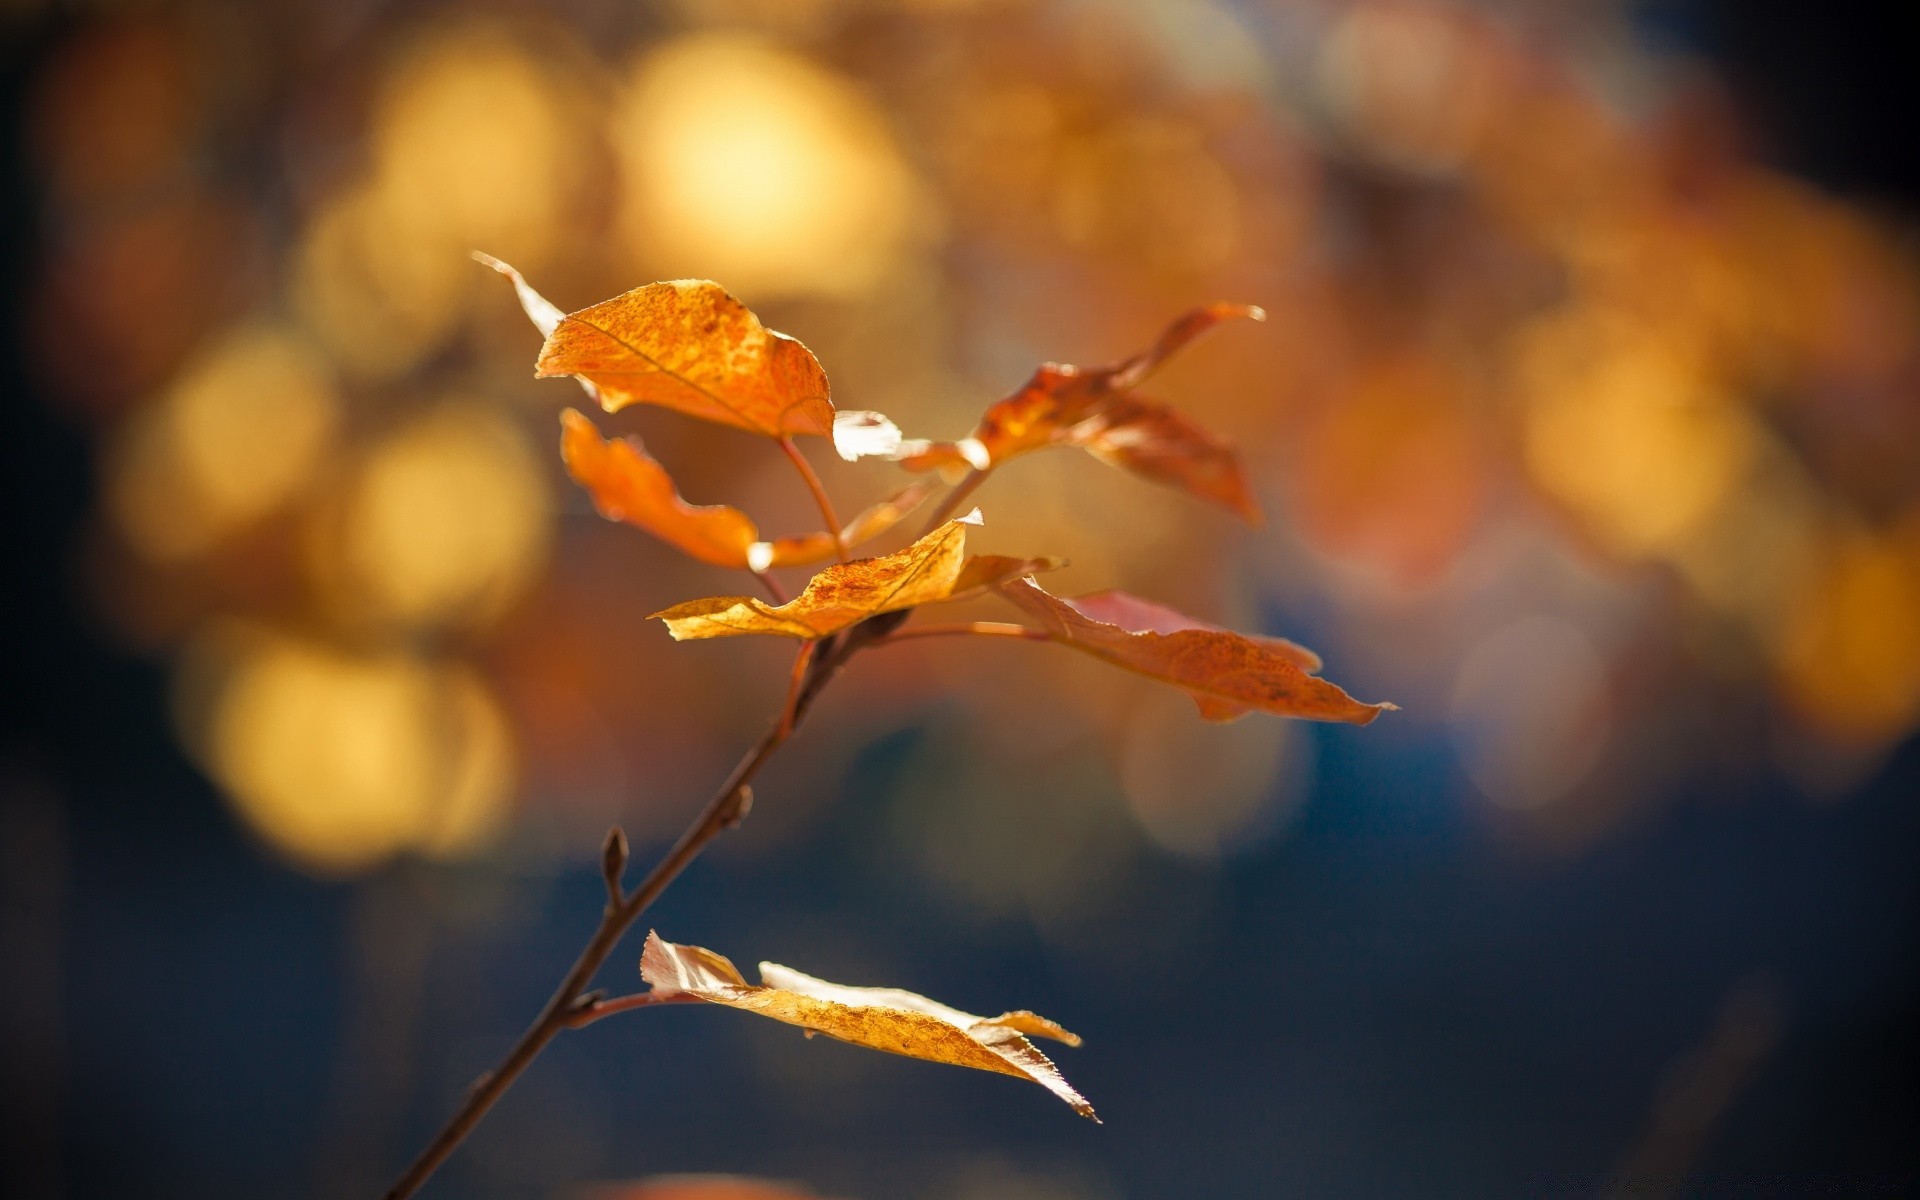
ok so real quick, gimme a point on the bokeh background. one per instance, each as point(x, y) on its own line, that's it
point(1587, 423)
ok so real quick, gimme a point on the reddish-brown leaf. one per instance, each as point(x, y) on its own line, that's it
point(1094, 407)
point(889, 1019)
point(1167, 446)
point(690, 346)
point(934, 568)
point(1227, 674)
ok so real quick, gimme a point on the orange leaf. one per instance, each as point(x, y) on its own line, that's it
point(889, 1019)
point(627, 484)
point(1165, 445)
point(1093, 407)
point(690, 346)
point(932, 569)
point(1227, 674)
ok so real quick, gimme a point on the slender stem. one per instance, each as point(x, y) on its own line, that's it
point(565, 1006)
point(819, 491)
point(586, 1015)
point(772, 585)
point(973, 479)
point(981, 628)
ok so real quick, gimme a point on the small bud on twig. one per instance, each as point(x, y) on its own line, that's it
point(741, 806)
point(613, 863)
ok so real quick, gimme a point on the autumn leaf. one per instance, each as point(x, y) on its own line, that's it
point(889, 1019)
point(858, 435)
point(1165, 445)
point(1228, 674)
point(870, 523)
point(1095, 408)
point(627, 484)
point(690, 346)
point(934, 568)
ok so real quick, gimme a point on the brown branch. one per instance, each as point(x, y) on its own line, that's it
point(819, 491)
point(973, 479)
point(819, 663)
point(586, 1014)
point(772, 585)
point(1004, 629)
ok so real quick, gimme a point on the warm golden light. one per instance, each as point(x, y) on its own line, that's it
point(747, 163)
point(242, 429)
point(1851, 660)
point(447, 519)
point(340, 760)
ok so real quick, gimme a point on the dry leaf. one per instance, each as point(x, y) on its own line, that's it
point(932, 569)
point(544, 314)
point(889, 1019)
point(858, 435)
point(867, 525)
point(1167, 446)
point(1094, 407)
point(690, 346)
point(627, 484)
point(1227, 674)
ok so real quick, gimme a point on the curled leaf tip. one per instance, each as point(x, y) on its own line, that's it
point(889, 1019)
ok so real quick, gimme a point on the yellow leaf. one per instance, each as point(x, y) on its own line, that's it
point(889, 1019)
point(1227, 674)
point(690, 346)
point(867, 525)
point(932, 569)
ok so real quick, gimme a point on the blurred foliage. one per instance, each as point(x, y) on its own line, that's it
point(1580, 432)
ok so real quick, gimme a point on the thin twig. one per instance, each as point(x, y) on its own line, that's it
point(587, 1014)
point(564, 1007)
point(819, 491)
point(973, 479)
point(772, 585)
point(1003, 629)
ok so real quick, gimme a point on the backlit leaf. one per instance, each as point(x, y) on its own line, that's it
point(1165, 445)
point(627, 484)
point(865, 526)
point(889, 1019)
point(1094, 407)
point(858, 435)
point(690, 346)
point(1227, 674)
point(932, 569)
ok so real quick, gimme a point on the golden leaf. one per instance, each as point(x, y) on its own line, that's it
point(1227, 674)
point(932, 569)
point(1094, 407)
point(627, 484)
point(899, 1022)
point(690, 346)
point(865, 526)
